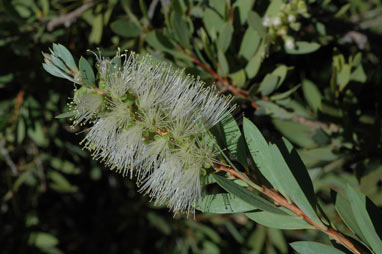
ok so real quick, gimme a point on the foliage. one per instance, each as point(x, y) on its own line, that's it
point(321, 94)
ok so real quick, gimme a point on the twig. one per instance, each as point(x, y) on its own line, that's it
point(282, 201)
point(244, 94)
point(19, 101)
point(69, 18)
point(8, 159)
point(315, 124)
point(370, 23)
point(224, 81)
point(39, 166)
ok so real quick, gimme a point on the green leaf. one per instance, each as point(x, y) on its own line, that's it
point(87, 73)
point(356, 60)
point(249, 43)
point(343, 208)
point(159, 222)
point(125, 28)
point(362, 209)
point(206, 180)
point(212, 22)
point(239, 78)
point(343, 10)
point(20, 130)
point(313, 157)
point(60, 183)
point(223, 63)
point(280, 221)
point(263, 156)
point(284, 95)
point(274, 8)
point(234, 139)
point(277, 239)
point(359, 75)
point(257, 239)
point(158, 41)
point(293, 179)
point(6, 78)
point(248, 196)
point(273, 167)
point(312, 95)
point(343, 77)
point(268, 85)
point(43, 240)
point(65, 55)
point(53, 70)
point(65, 115)
point(273, 109)
point(64, 166)
point(307, 247)
point(255, 21)
point(303, 47)
point(97, 29)
point(38, 135)
point(225, 37)
point(181, 29)
point(219, 6)
point(243, 7)
point(253, 65)
point(289, 130)
point(224, 203)
point(260, 152)
point(281, 72)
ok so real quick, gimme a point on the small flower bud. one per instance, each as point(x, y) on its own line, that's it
point(289, 43)
point(266, 21)
point(276, 21)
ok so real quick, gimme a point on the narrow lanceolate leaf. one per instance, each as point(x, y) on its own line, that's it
point(225, 36)
point(126, 28)
point(294, 179)
point(223, 63)
point(224, 203)
point(303, 47)
point(255, 21)
point(279, 173)
point(234, 139)
point(181, 29)
point(260, 152)
point(249, 44)
point(280, 221)
point(53, 70)
point(343, 208)
point(269, 84)
point(363, 211)
point(307, 247)
point(65, 54)
point(65, 115)
point(87, 73)
point(312, 94)
point(246, 195)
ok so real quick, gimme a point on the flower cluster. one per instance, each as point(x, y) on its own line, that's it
point(149, 120)
point(286, 20)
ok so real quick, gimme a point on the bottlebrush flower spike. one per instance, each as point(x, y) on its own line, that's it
point(148, 120)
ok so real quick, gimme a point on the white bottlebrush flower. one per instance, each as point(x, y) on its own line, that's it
point(84, 106)
point(149, 120)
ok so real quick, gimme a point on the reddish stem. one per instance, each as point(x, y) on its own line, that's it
point(223, 80)
point(282, 201)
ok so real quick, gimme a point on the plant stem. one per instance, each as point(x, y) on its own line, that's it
point(282, 201)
